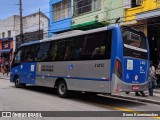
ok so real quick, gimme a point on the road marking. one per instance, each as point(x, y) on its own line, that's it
point(125, 110)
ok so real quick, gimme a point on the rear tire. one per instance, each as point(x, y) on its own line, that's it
point(18, 84)
point(62, 89)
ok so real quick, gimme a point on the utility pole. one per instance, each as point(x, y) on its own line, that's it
point(21, 22)
point(39, 23)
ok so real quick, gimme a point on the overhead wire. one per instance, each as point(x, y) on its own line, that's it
point(90, 14)
point(122, 21)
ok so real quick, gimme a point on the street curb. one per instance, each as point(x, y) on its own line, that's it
point(156, 91)
point(4, 78)
point(132, 98)
point(144, 99)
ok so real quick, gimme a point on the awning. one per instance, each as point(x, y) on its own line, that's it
point(6, 51)
point(132, 22)
point(148, 14)
point(88, 25)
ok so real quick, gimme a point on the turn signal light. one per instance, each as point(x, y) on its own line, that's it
point(119, 68)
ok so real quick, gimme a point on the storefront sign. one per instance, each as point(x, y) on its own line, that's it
point(5, 45)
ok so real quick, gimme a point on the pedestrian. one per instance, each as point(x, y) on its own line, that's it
point(6, 68)
point(152, 79)
point(137, 93)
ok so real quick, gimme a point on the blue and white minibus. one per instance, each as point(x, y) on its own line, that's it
point(104, 60)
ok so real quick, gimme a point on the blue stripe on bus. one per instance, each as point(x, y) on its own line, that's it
point(78, 78)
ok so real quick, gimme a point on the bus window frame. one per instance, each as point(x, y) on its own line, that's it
point(15, 54)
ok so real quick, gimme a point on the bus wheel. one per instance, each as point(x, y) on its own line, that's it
point(62, 89)
point(17, 84)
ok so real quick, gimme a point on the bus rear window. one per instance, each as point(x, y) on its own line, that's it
point(134, 43)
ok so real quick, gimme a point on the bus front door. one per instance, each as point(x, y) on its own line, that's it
point(28, 71)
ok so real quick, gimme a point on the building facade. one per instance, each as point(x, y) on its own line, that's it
point(34, 22)
point(96, 13)
point(83, 14)
point(6, 48)
point(32, 25)
point(60, 17)
point(35, 27)
point(9, 28)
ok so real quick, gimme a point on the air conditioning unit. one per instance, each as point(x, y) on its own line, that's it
point(139, 2)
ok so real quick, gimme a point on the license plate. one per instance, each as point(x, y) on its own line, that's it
point(135, 87)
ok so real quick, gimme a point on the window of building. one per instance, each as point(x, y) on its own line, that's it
point(83, 6)
point(136, 3)
point(132, 3)
point(9, 33)
point(3, 35)
point(96, 4)
point(61, 10)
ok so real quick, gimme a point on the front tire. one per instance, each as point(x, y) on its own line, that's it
point(18, 84)
point(62, 89)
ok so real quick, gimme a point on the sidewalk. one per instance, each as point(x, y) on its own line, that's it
point(4, 76)
point(150, 99)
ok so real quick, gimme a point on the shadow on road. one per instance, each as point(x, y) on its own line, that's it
point(87, 98)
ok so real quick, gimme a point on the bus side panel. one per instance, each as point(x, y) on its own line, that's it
point(124, 84)
point(121, 86)
point(28, 71)
point(116, 53)
point(14, 71)
point(89, 75)
point(139, 72)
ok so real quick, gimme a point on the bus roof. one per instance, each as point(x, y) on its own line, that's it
point(70, 34)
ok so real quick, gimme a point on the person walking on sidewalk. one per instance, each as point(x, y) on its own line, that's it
point(152, 79)
point(6, 68)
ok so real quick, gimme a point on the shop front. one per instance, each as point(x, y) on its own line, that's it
point(152, 20)
point(6, 47)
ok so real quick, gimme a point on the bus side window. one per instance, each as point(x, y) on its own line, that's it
point(96, 53)
point(77, 52)
point(69, 53)
point(97, 46)
point(37, 48)
point(45, 56)
point(53, 51)
point(17, 58)
point(30, 56)
point(86, 46)
point(43, 52)
point(103, 48)
point(99, 53)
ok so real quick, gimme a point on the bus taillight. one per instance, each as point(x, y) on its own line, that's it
point(119, 68)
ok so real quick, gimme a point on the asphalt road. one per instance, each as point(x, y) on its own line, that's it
point(33, 98)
